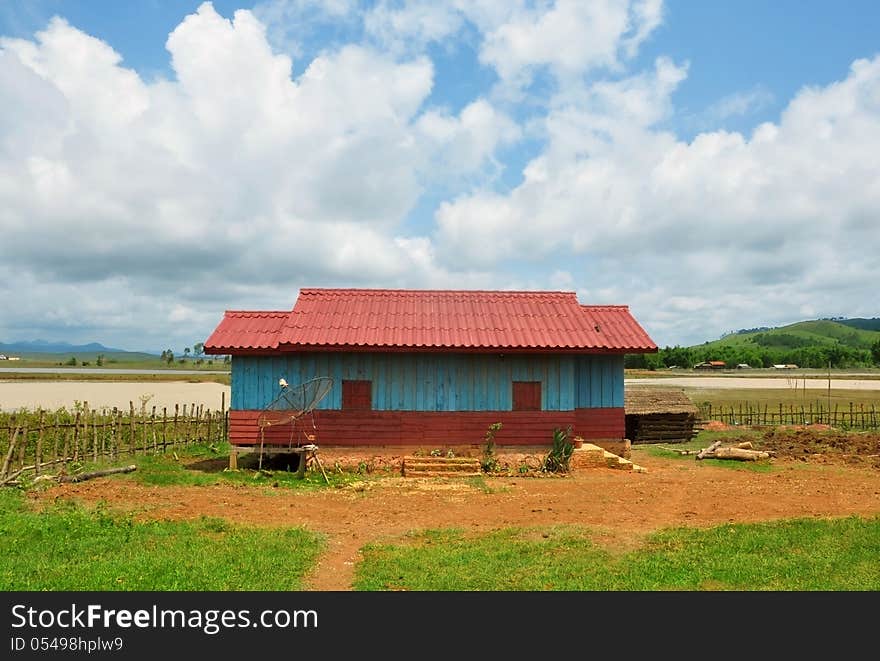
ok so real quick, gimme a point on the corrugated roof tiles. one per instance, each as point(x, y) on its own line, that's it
point(398, 319)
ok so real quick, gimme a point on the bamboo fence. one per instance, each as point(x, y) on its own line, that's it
point(34, 442)
point(852, 416)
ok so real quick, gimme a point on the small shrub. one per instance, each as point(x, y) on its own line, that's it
point(489, 462)
point(559, 458)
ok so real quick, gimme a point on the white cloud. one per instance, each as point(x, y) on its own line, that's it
point(413, 25)
point(232, 180)
point(568, 37)
point(746, 227)
point(141, 209)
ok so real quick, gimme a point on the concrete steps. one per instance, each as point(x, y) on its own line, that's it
point(413, 466)
point(592, 456)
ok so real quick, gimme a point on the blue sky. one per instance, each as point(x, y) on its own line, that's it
point(711, 164)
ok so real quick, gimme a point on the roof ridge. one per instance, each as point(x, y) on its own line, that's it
point(494, 292)
point(253, 313)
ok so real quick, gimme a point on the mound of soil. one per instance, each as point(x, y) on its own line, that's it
point(823, 445)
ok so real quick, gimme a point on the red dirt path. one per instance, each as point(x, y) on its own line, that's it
point(619, 506)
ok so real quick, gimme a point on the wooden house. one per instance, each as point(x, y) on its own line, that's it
point(434, 368)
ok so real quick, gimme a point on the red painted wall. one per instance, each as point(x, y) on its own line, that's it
point(353, 428)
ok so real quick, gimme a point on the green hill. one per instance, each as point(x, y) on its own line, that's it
point(864, 324)
point(804, 334)
point(806, 344)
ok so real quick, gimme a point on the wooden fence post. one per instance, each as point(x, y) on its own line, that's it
point(38, 452)
point(13, 439)
point(94, 437)
point(153, 430)
point(76, 437)
point(65, 453)
point(174, 428)
point(131, 434)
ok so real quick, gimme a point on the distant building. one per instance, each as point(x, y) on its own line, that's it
point(711, 365)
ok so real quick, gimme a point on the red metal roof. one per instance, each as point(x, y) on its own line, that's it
point(396, 319)
point(246, 330)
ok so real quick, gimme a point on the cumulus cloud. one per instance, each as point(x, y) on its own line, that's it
point(729, 228)
point(230, 178)
point(135, 211)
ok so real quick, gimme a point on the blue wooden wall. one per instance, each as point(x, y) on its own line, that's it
point(436, 381)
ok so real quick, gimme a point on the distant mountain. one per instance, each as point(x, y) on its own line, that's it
point(816, 343)
point(863, 324)
point(42, 346)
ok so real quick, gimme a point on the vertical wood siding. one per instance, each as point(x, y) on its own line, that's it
point(598, 381)
point(392, 428)
point(435, 381)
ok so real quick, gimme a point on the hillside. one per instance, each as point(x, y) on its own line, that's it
point(803, 334)
point(842, 343)
point(44, 347)
point(864, 324)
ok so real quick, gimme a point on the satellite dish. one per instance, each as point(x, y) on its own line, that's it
point(292, 404)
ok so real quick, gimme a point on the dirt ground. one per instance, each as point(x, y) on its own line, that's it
point(817, 473)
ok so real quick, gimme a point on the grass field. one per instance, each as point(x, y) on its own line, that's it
point(128, 360)
point(773, 397)
point(789, 555)
point(67, 547)
point(72, 547)
point(158, 377)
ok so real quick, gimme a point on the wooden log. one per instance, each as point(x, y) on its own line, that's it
point(101, 473)
point(705, 452)
point(745, 445)
point(679, 451)
point(740, 454)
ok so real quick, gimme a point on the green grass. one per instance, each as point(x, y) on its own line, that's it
point(702, 440)
point(67, 547)
point(773, 397)
point(798, 555)
point(206, 465)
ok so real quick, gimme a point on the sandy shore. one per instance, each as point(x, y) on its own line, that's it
point(55, 394)
point(735, 382)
